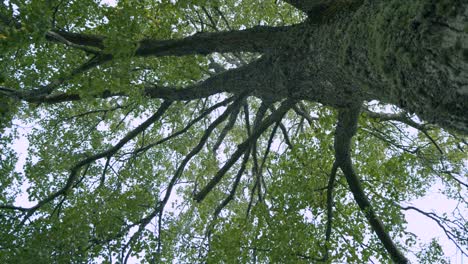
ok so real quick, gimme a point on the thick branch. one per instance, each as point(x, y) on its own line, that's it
point(345, 130)
point(307, 6)
point(256, 39)
point(235, 81)
point(244, 78)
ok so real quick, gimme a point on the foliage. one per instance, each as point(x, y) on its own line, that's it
point(113, 173)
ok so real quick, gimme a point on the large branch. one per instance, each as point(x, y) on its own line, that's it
point(245, 78)
point(256, 39)
point(307, 6)
point(318, 10)
point(345, 130)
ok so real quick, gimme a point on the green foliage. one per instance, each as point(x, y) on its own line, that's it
point(432, 253)
point(278, 210)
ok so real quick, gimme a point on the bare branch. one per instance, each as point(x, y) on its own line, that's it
point(271, 119)
point(268, 147)
point(330, 187)
point(187, 127)
point(227, 128)
point(451, 234)
point(160, 208)
point(304, 114)
point(60, 38)
point(41, 95)
point(234, 187)
point(286, 135)
point(400, 117)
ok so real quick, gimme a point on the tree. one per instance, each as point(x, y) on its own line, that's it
point(244, 131)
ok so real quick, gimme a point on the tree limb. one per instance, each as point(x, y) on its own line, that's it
point(233, 81)
point(307, 6)
point(300, 111)
point(451, 234)
point(256, 39)
point(330, 187)
point(345, 130)
point(271, 119)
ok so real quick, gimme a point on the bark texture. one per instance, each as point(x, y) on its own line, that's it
point(410, 54)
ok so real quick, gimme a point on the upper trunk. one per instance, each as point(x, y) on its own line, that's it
point(410, 54)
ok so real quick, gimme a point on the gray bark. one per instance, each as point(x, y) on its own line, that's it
point(410, 54)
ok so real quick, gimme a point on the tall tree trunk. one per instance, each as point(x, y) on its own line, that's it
point(410, 54)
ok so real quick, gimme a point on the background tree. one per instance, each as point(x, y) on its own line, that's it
point(245, 131)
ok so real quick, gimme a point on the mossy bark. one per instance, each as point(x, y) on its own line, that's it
point(410, 54)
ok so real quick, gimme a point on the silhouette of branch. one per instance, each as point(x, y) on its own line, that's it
point(271, 119)
point(76, 168)
point(345, 130)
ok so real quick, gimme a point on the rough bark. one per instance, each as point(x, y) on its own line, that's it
point(256, 39)
point(413, 55)
point(308, 6)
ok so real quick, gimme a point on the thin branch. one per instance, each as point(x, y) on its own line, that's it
point(286, 135)
point(41, 95)
point(232, 193)
point(103, 176)
point(187, 127)
point(305, 115)
point(76, 168)
point(268, 147)
point(403, 118)
point(227, 128)
point(330, 187)
point(400, 117)
point(440, 222)
point(271, 119)
point(180, 169)
point(60, 38)
point(255, 168)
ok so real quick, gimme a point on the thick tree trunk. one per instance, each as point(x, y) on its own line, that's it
point(410, 54)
